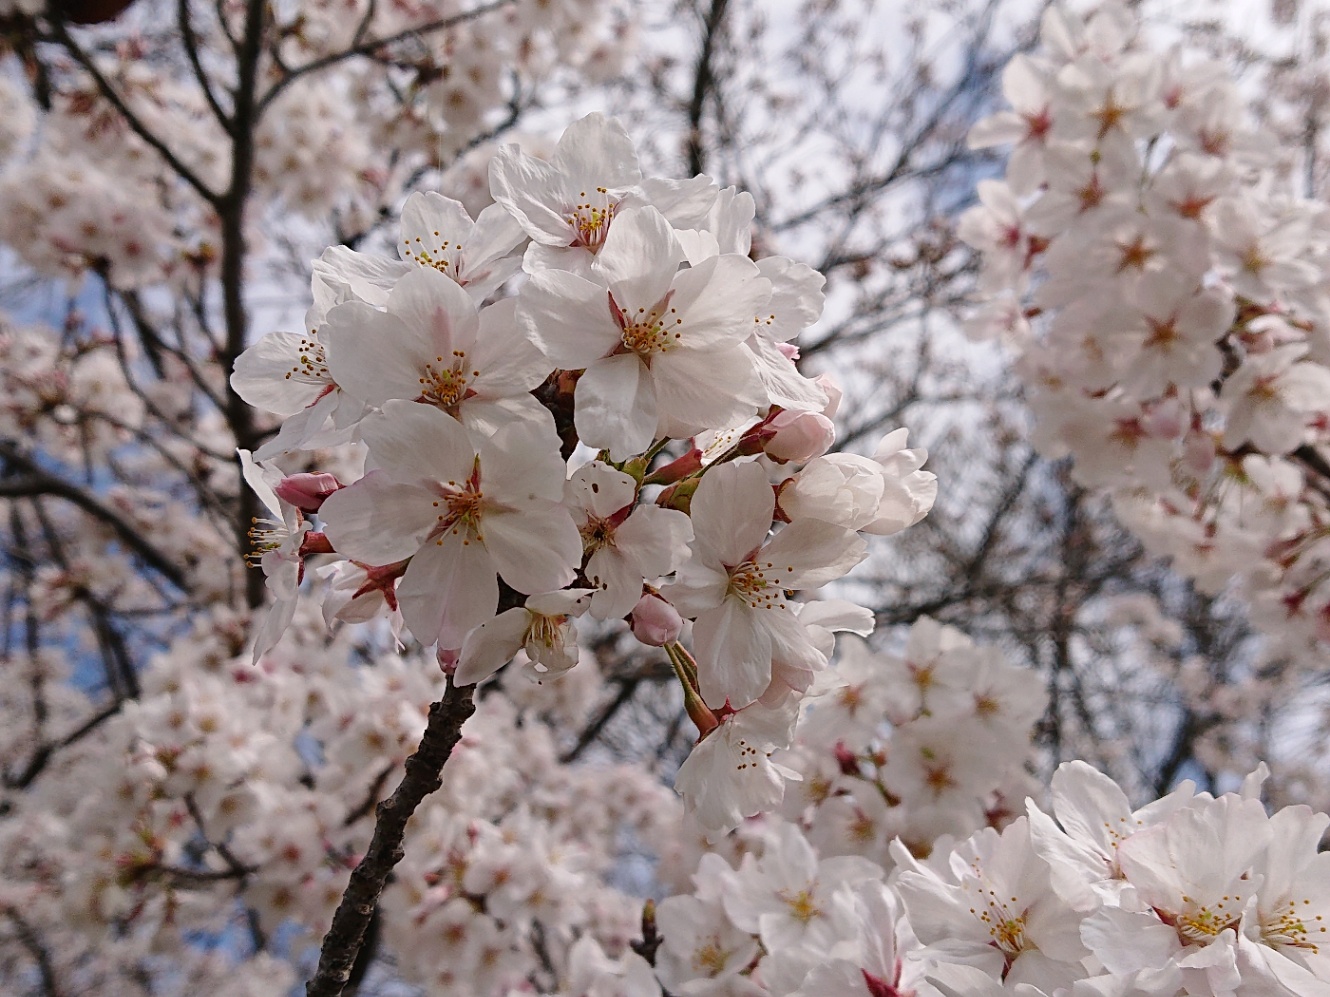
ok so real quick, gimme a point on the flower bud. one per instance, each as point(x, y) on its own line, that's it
point(799, 436)
point(655, 621)
point(307, 491)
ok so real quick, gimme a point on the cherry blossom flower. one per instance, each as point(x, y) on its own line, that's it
point(736, 581)
point(461, 512)
point(625, 544)
point(432, 346)
point(662, 348)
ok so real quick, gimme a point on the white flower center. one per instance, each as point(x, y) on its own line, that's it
point(750, 582)
point(590, 219)
point(460, 508)
point(1294, 925)
point(311, 366)
point(443, 382)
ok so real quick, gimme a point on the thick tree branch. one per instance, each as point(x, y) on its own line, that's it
point(423, 776)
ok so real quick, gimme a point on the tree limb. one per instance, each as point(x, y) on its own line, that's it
point(423, 776)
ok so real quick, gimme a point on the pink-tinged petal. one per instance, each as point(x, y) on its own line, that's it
point(272, 375)
point(530, 189)
point(496, 234)
point(369, 278)
point(699, 587)
point(795, 659)
point(809, 553)
point(279, 615)
point(597, 149)
point(733, 647)
point(718, 300)
point(448, 590)
point(415, 442)
point(507, 358)
point(640, 257)
point(732, 510)
point(437, 310)
point(616, 406)
point(261, 480)
point(568, 318)
point(483, 417)
point(377, 520)
point(537, 550)
point(655, 539)
point(781, 380)
point(491, 646)
point(372, 354)
point(520, 465)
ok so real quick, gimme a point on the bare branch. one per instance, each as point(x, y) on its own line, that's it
point(423, 776)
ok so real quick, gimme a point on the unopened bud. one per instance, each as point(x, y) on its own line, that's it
point(676, 470)
point(799, 436)
point(1198, 453)
point(846, 759)
point(447, 658)
point(1164, 421)
point(655, 621)
point(306, 491)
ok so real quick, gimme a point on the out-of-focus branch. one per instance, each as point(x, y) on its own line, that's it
point(61, 34)
point(200, 75)
point(35, 481)
point(367, 48)
point(29, 939)
point(704, 80)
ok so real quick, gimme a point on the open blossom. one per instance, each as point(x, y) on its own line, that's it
point(437, 234)
point(431, 345)
point(995, 909)
point(543, 628)
point(745, 633)
point(461, 512)
point(785, 895)
point(569, 205)
point(729, 775)
point(662, 349)
point(625, 544)
point(277, 544)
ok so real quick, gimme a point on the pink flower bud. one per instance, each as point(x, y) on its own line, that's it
point(799, 435)
point(307, 491)
point(655, 621)
point(447, 658)
point(1164, 421)
point(788, 350)
point(1198, 453)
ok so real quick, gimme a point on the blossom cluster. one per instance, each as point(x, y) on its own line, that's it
point(1169, 304)
point(1192, 894)
point(228, 789)
point(625, 438)
point(89, 191)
